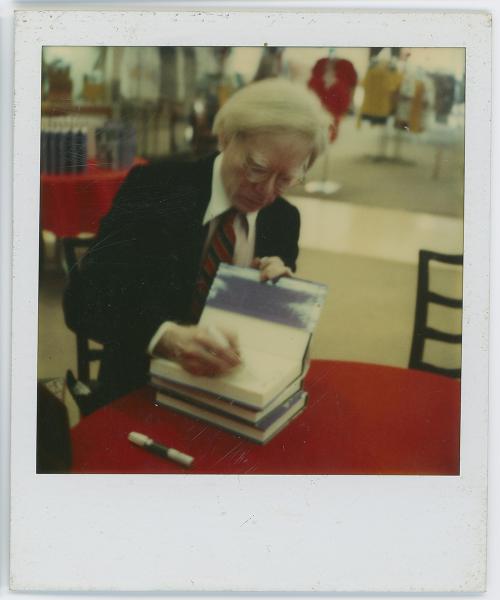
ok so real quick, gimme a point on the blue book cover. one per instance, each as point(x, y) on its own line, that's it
point(293, 302)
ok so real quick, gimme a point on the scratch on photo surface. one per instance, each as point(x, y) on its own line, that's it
point(200, 432)
point(250, 470)
point(250, 517)
point(234, 449)
point(240, 457)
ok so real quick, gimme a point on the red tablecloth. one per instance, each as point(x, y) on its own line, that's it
point(75, 203)
point(360, 419)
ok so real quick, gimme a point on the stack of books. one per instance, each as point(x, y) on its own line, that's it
point(274, 323)
point(63, 150)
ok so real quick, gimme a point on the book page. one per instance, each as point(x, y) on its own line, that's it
point(258, 375)
point(257, 335)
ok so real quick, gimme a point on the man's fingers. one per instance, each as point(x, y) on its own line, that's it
point(221, 349)
point(232, 338)
point(274, 272)
point(206, 360)
point(203, 351)
point(272, 267)
point(195, 367)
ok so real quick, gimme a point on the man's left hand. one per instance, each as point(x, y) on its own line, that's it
point(271, 268)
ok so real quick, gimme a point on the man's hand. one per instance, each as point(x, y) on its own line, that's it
point(199, 350)
point(271, 268)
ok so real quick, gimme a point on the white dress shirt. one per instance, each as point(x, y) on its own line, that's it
point(244, 229)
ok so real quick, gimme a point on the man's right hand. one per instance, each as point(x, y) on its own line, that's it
point(199, 350)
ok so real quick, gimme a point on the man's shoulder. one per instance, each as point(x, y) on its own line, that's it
point(281, 207)
point(175, 167)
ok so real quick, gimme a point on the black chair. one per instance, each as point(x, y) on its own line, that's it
point(425, 296)
point(73, 249)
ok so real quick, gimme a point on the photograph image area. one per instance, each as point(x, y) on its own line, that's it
point(250, 260)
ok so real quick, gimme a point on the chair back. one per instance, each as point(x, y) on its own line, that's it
point(425, 296)
point(74, 249)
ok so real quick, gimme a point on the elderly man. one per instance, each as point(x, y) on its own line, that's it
point(144, 280)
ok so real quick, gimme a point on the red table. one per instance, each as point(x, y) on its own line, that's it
point(360, 419)
point(71, 204)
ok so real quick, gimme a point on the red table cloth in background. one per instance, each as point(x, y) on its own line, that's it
point(74, 203)
point(360, 419)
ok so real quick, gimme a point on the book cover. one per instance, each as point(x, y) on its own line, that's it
point(290, 301)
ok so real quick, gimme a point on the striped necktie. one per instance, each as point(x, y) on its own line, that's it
point(220, 249)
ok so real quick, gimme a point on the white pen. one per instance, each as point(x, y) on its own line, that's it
point(148, 444)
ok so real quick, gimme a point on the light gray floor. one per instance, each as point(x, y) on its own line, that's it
point(425, 177)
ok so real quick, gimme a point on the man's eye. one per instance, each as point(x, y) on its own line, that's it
point(258, 170)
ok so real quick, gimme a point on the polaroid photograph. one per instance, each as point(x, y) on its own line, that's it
point(250, 301)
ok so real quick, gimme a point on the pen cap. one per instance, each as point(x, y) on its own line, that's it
point(139, 438)
point(180, 457)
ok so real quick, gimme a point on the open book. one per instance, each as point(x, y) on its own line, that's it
point(274, 323)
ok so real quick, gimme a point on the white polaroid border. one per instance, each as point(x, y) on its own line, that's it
point(257, 533)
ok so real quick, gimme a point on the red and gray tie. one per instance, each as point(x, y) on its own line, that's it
point(220, 249)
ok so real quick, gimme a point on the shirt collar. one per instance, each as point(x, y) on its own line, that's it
point(219, 200)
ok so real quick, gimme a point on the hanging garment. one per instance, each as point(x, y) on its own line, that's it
point(334, 80)
point(413, 101)
point(381, 85)
point(140, 74)
point(445, 95)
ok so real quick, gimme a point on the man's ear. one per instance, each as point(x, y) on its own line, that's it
point(223, 142)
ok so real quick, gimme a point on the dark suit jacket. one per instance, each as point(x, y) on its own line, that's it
point(142, 267)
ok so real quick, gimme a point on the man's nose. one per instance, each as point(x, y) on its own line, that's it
point(267, 188)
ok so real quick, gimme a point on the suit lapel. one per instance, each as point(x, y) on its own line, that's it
point(264, 231)
point(195, 233)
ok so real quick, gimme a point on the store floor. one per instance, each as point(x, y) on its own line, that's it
point(380, 166)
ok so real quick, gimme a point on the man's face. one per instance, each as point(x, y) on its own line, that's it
point(256, 168)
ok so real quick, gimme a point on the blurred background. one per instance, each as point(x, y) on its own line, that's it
point(390, 184)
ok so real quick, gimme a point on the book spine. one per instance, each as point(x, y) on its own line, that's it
point(65, 151)
point(115, 164)
point(84, 150)
point(80, 151)
point(58, 139)
point(200, 404)
point(121, 146)
point(131, 147)
point(48, 163)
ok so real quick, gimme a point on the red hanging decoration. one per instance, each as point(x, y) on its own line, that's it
point(334, 81)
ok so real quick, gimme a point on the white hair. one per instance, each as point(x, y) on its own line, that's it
point(275, 105)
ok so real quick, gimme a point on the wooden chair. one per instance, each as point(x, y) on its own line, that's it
point(73, 249)
point(425, 297)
